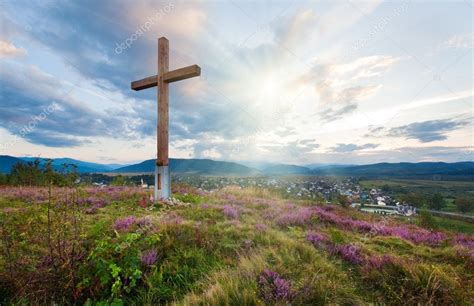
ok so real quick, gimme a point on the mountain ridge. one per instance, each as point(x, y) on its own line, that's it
point(429, 170)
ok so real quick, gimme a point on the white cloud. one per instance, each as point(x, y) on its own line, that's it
point(9, 50)
point(366, 67)
point(461, 41)
point(341, 86)
point(182, 23)
point(300, 26)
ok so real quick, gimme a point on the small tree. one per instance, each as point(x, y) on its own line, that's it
point(120, 180)
point(414, 199)
point(427, 221)
point(343, 200)
point(464, 205)
point(3, 179)
point(436, 202)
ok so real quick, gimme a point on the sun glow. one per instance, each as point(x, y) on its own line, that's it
point(271, 91)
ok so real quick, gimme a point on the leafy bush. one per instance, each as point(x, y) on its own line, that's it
point(426, 220)
point(464, 205)
point(436, 201)
point(117, 266)
point(189, 198)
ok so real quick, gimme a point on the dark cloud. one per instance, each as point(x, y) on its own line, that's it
point(350, 147)
point(35, 107)
point(427, 131)
point(301, 146)
point(86, 39)
point(308, 142)
point(51, 139)
point(343, 102)
point(333, 113)
point(375, 131)
point(336, 113)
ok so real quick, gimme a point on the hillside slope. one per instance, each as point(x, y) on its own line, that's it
point(192, 166)
point(7, 162)
point(235, 246)
point(423, 169)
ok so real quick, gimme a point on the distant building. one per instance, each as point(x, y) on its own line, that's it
point(400, 210)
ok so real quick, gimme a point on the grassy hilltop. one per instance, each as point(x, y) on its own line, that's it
point(231, 247)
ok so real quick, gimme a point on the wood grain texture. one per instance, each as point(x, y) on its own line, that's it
point(163, 103)
point(182, 74)
point(145, 83)
point(169, 77)
point(161, 81)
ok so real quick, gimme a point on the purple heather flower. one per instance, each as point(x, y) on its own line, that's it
point(466, 254)
point(230, 211)
point(348, 252)
point(328, 207)
point(124, 223)
point(260, 227)
point(270, 213)
point(148, 258)
point(144, 222)
point(273, 288)
point(91, 210)
point(300, 216)
point(465, 241)
point(172, 219)
point(378, 262)
point(418, 236)
point(317, 239)
point(413, 234)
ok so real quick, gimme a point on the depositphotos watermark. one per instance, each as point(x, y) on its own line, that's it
point(145, 27)
point(31, 125)
point(379, 27)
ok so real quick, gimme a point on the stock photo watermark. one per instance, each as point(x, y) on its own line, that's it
point(380, 27)
point(30, 126)
point(144, 27)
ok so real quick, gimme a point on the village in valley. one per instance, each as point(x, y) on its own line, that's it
point(328, 189)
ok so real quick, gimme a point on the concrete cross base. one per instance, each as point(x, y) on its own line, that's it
point(162, 183)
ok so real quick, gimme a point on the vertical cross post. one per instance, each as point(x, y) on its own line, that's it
point(161, 81)
point(162, 178)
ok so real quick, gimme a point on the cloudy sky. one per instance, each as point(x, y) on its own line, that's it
point(288, 81)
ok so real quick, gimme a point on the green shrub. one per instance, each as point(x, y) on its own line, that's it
point(189, 198)
point(426, 220)
point(115, 264)
point(336, 236)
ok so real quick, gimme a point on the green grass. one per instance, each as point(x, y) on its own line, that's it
point(207, 257)
point(455, 225)
point(449, 189)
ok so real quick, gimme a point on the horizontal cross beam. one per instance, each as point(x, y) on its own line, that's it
point(168, 77)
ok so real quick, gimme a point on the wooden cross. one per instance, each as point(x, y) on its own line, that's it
point(161, 80)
